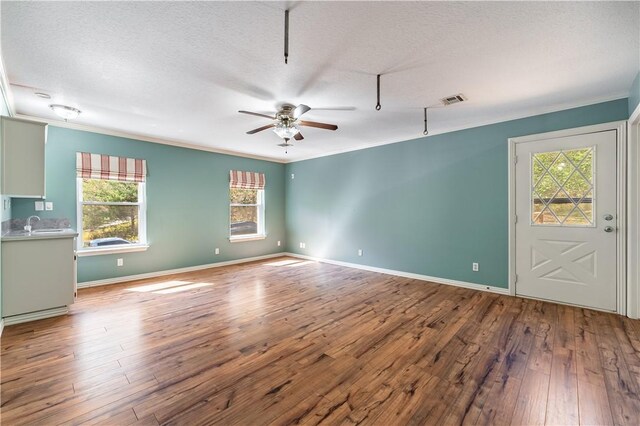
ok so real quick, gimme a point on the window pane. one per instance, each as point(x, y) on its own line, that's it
point(243, 196)
point(109, 225)
point(244, 220)
point(109, 191)
point(562, 187)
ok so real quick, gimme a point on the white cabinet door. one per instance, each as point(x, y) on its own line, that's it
point(566, 228)
point(37, 274)
point(23, 165)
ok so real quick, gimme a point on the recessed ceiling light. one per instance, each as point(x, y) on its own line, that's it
point(42, 95)
point(64, 111)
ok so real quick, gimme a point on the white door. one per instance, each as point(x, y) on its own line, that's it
point(565, 231)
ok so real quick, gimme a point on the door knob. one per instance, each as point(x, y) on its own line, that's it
point(608, 217)
point(608, 229)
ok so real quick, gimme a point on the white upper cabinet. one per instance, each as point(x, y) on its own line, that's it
point(23, 158)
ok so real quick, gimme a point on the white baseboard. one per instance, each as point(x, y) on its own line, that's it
point(1, 326)
point(33, 316)
point(126, 278)
point(437, 280)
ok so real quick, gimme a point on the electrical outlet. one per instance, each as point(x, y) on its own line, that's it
point(303, 245)
point(48, 206)
point(278, 243)
point(120, 262)
point(475, 267)
point(39, 206)
point(359, 252)
point(217, 250)
point(293, 175)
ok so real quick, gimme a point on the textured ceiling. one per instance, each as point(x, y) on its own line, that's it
point(180, 71)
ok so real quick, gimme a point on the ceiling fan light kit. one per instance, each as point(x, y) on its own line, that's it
point(286, 131)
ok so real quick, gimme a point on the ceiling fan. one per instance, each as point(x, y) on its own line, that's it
point(287, 122)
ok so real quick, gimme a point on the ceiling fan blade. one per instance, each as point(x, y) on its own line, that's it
point(300, 109)
point(259, 129)
point(298, 136)
point(319, 125)
point(257, 114)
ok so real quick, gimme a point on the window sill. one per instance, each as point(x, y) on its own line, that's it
point(247, 238)
point(111, 250)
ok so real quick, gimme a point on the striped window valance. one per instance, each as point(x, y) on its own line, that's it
point(246, 180)
point(98, 166)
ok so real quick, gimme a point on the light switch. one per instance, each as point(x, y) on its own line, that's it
point(39, 206)
point(48, 206)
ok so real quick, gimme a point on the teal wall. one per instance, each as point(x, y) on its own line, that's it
point(187, 203)
point(634, 94)
point(429, 206)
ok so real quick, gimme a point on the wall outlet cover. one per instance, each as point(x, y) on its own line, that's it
point(217, 250)
point(278, 243)
point(120, 262)
point(475, 267)
point(39, 206)
point(48, 206)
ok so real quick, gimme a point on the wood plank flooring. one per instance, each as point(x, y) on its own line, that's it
point(287, 341)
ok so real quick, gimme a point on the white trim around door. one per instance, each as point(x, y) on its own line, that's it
point(633, 211)
point(621, 132)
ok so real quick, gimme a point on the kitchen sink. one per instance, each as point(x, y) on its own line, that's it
point(47, 231)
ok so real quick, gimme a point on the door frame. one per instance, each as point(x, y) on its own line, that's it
point(633, 247)
point(621, 175)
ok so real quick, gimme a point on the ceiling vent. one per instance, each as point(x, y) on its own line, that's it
point(453, 99)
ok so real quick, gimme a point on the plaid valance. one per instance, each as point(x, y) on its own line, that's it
point(246, 180)
point(97, 166)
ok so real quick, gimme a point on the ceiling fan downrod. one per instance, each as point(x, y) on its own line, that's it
point(286, 36)
point(378, 106)
point(426, 129)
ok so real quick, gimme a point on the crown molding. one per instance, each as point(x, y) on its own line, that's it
point(502, 119)
point(5, 91)
point(135, 136)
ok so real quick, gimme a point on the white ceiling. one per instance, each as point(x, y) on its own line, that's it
point(179, 71)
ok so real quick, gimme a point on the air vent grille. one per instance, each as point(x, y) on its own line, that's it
point(453, 99)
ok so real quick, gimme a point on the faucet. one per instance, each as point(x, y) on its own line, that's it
point(27, 227)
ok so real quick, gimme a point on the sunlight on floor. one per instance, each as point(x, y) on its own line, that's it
point(169, 287)
point(290, 263)
point(183, 288)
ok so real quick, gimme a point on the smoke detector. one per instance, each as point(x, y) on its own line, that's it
point(453, 99)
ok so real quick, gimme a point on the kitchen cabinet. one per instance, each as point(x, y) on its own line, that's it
point(23, 164)
point(38, 274)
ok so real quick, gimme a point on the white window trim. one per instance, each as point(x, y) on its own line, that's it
point(142, 224)
point(262, 233)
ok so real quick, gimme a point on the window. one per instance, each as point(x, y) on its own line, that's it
point(247, 212)
point(111, 213)
point(562, 184)
point(111, 204)
point(246, 206)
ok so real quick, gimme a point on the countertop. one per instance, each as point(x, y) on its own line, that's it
point(35, 235)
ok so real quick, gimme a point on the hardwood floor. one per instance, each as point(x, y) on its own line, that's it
point(287, 341)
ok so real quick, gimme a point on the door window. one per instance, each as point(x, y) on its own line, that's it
point(562, 187)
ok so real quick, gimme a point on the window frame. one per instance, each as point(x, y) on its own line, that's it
point(261, 233)
point(142, 243)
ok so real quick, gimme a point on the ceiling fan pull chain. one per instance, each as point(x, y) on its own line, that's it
point(378, 106)
point(426, 129)
point(286, 36)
